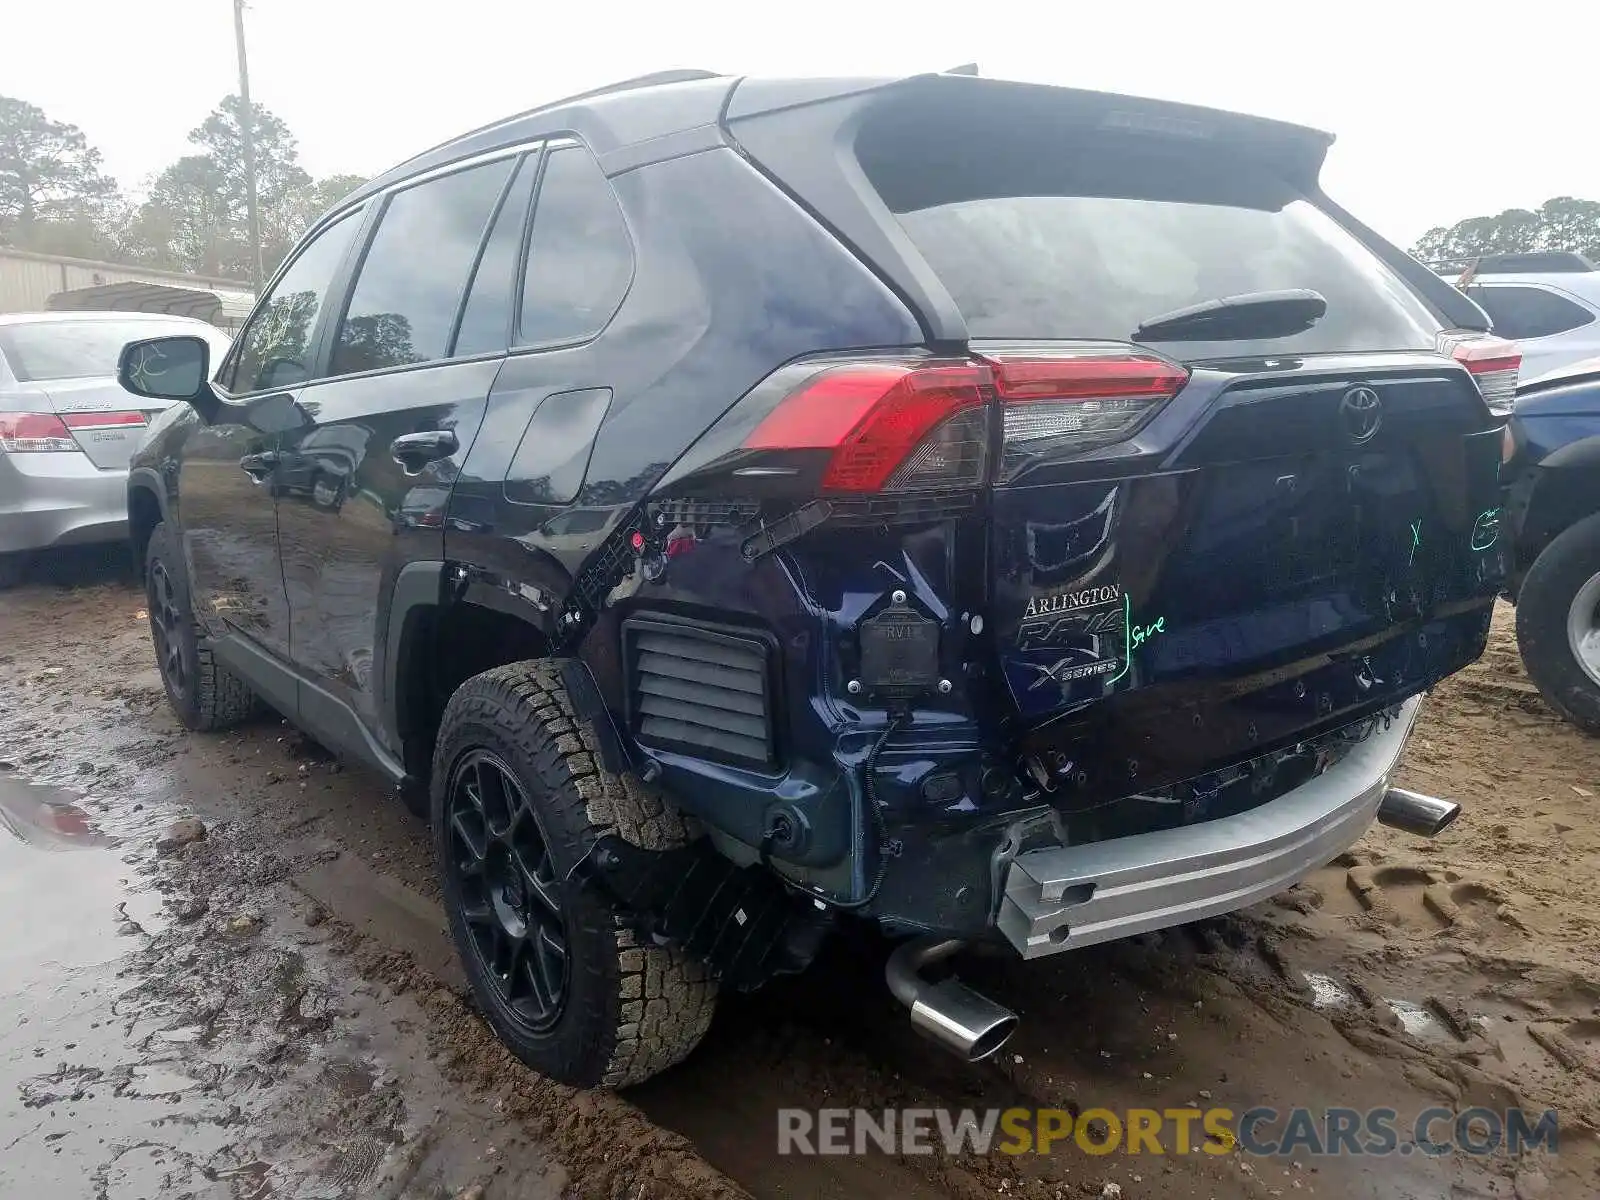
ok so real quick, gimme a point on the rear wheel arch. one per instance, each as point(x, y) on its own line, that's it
point(434, 642)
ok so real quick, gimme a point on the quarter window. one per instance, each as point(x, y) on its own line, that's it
point(276, 347)
point(580, 259)
point(486, 321)
point(1529, 312)
point(409, 289)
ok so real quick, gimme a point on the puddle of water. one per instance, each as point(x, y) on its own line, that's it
point(1419, 1022)
point(58, 910)
point(70, 910)
point(1328, 992)
point(46, 818)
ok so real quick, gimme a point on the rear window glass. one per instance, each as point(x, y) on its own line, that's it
point(1092, 241)
point(42, 350)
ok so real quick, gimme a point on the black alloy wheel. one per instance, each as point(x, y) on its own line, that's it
point(167, 621)
point(510, 890)
point(518, 797)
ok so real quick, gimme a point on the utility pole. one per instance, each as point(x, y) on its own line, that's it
point(247, 128)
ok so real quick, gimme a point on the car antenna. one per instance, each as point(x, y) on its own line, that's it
point(963, 69)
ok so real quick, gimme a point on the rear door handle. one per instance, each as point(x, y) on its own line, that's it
point(259, 466)
point(413, 451)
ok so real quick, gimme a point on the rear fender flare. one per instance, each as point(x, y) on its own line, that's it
point(418, 591)
point(422, 589)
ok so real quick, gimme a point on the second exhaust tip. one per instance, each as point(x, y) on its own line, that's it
point(1425, 816)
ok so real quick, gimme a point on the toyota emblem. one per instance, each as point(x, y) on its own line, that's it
point(1361, 412)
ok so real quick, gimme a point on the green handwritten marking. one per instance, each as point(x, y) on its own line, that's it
point(1486, 529)
point(1134, 636)
point(1143, 633)
point(1416, 540)
point(1127, 638)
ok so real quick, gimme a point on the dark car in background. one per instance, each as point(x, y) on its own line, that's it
point(322, 467)
point(1552, 516)
point(989, 511)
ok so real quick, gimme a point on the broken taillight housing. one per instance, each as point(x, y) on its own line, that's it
point(1493, 363)
point(919, 425)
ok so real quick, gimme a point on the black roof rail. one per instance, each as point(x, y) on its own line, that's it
point(653, 79)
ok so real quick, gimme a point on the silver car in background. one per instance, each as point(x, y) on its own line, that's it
point(67, 429)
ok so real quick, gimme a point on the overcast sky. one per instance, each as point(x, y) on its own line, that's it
point(1442, 111)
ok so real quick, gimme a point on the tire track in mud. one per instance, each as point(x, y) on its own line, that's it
point(1217, 1013)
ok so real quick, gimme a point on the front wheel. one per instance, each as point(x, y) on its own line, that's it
point(518, 797)
point(204, 694)
point(1558, 624)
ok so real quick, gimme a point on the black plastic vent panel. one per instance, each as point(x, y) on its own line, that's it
point(700, 691)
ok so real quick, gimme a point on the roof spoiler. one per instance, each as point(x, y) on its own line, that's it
point(1295, 150)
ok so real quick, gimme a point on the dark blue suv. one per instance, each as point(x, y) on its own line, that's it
point(985, 510)
point(1552, 473)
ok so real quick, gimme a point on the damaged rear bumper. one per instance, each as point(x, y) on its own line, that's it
point(1064, 897)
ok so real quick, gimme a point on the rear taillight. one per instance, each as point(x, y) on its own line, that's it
point(1066, 402)
point(918, 425)
point(33, 432)
point(1493, 363)
point(886, 426)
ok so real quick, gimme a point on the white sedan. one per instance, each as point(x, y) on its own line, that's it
point(67, 428)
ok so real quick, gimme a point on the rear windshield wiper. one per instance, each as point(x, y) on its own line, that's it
point(1253, 314)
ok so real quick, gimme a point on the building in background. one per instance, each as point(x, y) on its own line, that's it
point(31, 282)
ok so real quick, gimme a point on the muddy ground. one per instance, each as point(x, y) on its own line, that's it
point(272, 1009)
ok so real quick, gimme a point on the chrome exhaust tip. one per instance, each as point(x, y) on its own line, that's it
point(1425, 816)
point(969, 1025)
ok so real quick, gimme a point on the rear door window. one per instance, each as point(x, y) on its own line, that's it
point(1093, 240)
point(580, 258)
point(410, 287)
point(1529, 312)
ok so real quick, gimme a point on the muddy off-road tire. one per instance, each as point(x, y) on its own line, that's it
point(519, 795)
point(1558, 624)
point(204, 694)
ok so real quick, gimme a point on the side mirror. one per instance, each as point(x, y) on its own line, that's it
point(169, 368)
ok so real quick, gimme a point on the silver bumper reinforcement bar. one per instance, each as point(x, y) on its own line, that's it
point(1061, 898)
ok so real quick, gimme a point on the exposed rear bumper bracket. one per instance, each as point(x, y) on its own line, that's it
point(741, 921)
point(1064, 897)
